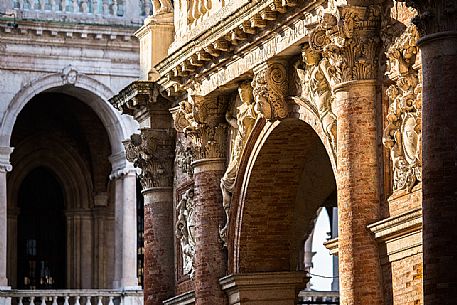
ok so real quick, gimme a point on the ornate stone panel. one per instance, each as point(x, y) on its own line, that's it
point(185, 231)
point(403, 133)
point(153, 152)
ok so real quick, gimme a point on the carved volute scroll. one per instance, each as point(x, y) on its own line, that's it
point(185, 231)
point(403, 134)
point(270, 85)
point(202, 118)
point(153, 152)
point(348, 38)
point(242, 120)
point(315, 83)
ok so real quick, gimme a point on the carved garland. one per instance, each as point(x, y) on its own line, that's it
point(403, 133)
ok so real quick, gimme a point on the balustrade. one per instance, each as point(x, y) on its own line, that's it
point(68, 297)
point(94, 7)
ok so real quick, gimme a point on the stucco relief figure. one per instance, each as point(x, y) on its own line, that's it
point(242, 124)
point(185, 231)
point(316, 88)
point(403, 133)
point(161, 7)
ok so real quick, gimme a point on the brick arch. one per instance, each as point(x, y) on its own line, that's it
point(287, 177)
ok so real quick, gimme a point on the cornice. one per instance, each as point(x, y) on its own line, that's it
point(393, 227)
point(133, 98)
point(55, 32)
point(229, 39)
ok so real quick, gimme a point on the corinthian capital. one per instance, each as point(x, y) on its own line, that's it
point(203, 118)
point(434, 16)
point(270, 89)
point(153, 152)
point(348, 37)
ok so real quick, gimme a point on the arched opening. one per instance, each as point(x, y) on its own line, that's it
point(41, 232)
point(61, 144)
point(287, 180)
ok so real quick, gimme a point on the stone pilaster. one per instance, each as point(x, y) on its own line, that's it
point(5, 167)
point(153, 152)
point(203, 119)
point(349, 43)
point(437, 24)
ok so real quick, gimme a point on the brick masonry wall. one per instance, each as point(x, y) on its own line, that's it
point(403, 281)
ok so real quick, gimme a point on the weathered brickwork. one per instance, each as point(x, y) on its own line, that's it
point(404, 201)
point(210, 261)
point(158, 248)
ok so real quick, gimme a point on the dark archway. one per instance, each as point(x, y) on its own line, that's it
point(41, 232)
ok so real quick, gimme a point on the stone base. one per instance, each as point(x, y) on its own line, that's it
point(187, 298)
point(4, 300)
point(268, 288)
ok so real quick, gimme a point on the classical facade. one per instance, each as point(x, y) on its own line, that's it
point(254, 113)
point(68, 193)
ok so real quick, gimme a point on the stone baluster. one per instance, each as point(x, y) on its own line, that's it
point(77, 300)
point(153, 152)
point(111, 302)
point(88, 300)
point(42, 4)
point(437, 25)
point(32, 300)
point(20, 301)
point(54, 300)
point(66, 300)
point(75, 5)
point(347, 55)
point(43, 300)
point(64, 6)
point(114, 7)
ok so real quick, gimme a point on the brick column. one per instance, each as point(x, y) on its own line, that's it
point(152, 151)
point(203, 118)
point(437, 24)
point(209, 215)
point(349, 63)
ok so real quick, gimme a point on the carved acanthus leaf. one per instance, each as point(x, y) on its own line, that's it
point(403, 134)
point(152, 151)
point(349, 41)
point(270, 90)
point(202, 118)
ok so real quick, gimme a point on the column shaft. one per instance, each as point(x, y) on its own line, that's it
point(3, 229)
point(209, 254)
point(158, 245)
point(439, 132)
point(358, 193)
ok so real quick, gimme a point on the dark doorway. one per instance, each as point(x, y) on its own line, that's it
point(41, 232)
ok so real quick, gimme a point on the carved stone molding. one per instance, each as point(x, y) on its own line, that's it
point(135, 96)
point(434, 16)
point(270, 88)
point(153, 152)
point(314, 83)
point(403, 133)
point(185, 231)
point(241, 119)
point(202, 118)
point(348, 37)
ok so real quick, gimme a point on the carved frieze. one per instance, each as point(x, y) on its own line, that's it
point(270, 88)
point(202, 118)
point(241, 119)
point(153, 152)
point(185, 231)
point(347, 37)
point(313, 80)
point(403, 133)
point(184, 159)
